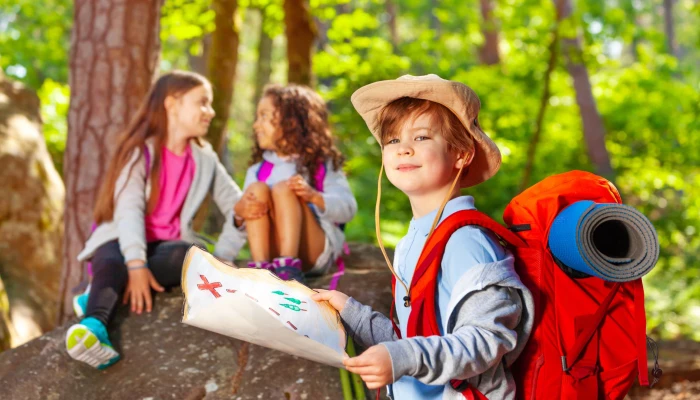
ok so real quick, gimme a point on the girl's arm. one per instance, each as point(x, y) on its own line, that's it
point(226, 194)
point(130, 208)
point(340, 205)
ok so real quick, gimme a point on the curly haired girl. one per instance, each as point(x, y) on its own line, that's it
point(296, 197)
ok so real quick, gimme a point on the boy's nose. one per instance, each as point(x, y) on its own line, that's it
point(404, 150)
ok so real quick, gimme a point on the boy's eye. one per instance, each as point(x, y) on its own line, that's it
point(392, 141)
point(421, 138)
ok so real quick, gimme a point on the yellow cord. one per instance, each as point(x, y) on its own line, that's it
point(407, 302)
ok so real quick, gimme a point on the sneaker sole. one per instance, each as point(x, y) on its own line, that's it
point(84, 346)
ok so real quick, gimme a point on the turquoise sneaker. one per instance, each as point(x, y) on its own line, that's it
point(88, 342)
point(80, 303)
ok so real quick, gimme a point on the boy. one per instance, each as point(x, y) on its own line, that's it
point(432, 145)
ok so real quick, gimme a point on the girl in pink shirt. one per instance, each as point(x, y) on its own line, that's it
point(158, 177)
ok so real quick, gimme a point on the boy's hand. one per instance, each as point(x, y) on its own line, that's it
point(334, 297)
point(373, 366)
point(250, 208)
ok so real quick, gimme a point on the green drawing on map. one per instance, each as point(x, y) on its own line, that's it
point(291, 307)
point(279, 292)
point(293, 300)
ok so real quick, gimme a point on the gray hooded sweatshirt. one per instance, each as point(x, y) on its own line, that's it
point(490, 317)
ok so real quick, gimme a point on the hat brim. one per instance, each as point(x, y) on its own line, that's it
point(369, 100)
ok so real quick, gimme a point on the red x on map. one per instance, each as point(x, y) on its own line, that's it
point(209, 286)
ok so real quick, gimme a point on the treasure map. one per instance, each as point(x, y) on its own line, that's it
point(256, 306)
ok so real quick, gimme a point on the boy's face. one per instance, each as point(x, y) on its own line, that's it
point(418, 160)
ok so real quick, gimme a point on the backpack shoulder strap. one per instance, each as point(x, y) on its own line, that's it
point(264, 171)
point(435, 246)
point(147, 158)
point(320, 176)
point(422, 320)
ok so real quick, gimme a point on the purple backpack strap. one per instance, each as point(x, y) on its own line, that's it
point(147, 157)
point(320, 176)
point(264, 171)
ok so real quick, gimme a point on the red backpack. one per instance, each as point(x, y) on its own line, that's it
point(589, 336)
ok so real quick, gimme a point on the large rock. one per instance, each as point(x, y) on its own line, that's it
point(31, 215)
point(166, 359)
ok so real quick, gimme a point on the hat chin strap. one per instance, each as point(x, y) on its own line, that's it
point(432, 228)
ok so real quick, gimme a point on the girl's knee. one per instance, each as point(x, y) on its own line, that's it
point(281, 189)
point(260, 190)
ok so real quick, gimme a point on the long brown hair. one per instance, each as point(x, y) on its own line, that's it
point(151, 121)
point(303, 117)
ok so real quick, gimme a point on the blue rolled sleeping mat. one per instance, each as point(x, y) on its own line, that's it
point(614, 242)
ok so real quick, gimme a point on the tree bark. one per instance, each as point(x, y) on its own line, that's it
point(593, 129)
point(222, 68)
point(488, 53)
point(301, 32)
point(392, 12)
point(264, 64)
point(114, 56)
point(669, 28)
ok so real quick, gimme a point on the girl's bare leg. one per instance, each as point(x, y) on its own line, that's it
point(313, 239)
point(298, 232)
point(260, 230)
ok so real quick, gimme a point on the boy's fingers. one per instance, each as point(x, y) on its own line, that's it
point(325, 295)
point(358, 361)
point(365, 370)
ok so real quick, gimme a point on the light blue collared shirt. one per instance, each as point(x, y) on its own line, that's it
point(467, 247)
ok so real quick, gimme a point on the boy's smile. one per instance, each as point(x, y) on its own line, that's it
point(407, 167)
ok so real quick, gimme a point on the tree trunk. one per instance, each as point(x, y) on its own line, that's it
point(488, 53)
point(115, 49)
point(264, 64)
point(301, 32)
point(593, 129)
point(222, 68)
point(392, 12)
point(200, 63)
point(669, 28)
point(544, 100)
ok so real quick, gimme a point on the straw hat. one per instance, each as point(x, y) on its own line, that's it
point(459, 98)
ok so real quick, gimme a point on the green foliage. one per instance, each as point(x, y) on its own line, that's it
point(34, 40)
point(54, 99)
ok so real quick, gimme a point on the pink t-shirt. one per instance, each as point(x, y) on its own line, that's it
point(176, 175)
